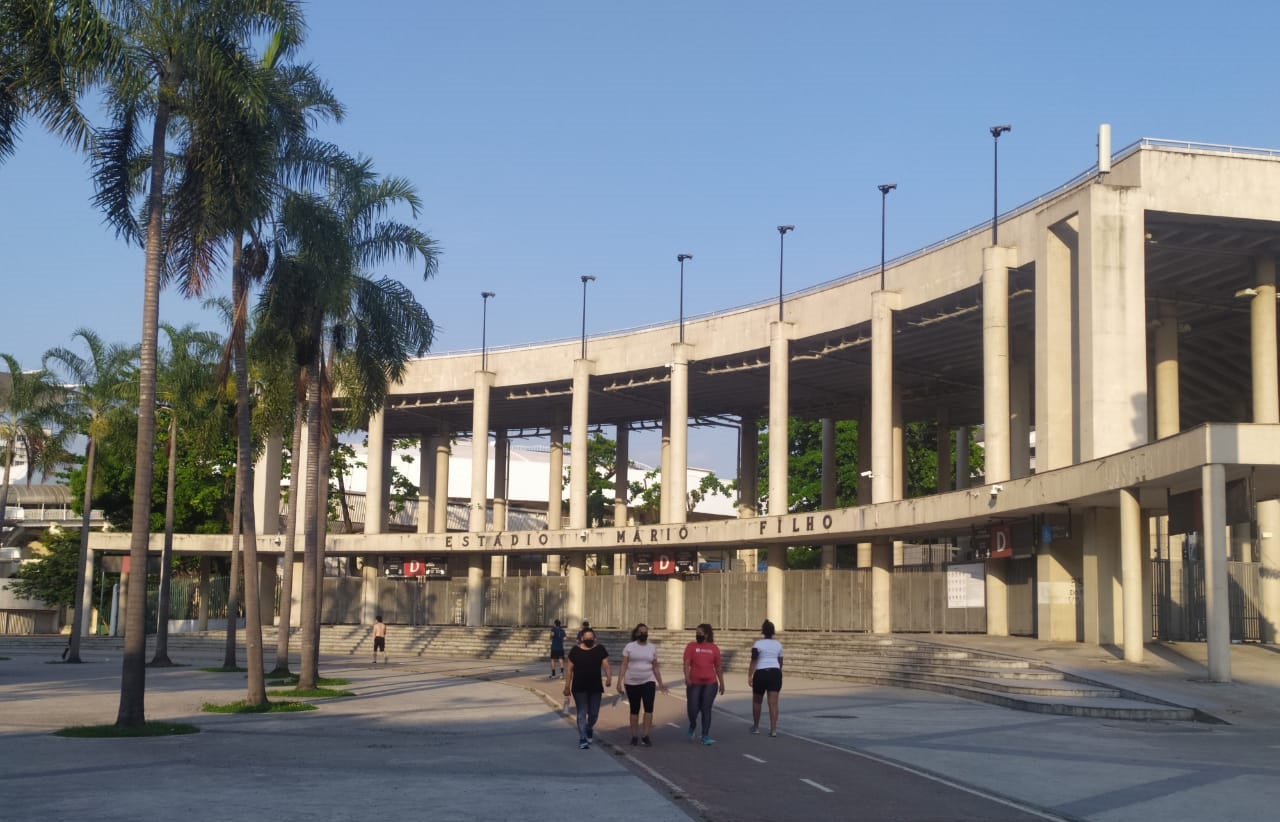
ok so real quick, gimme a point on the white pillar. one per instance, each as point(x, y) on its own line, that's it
point(621, 489)
point(748, 482)
point(475, 590)
point(864, 475)
point(440, 512)
point(1021, 392)
point(1131, 564)
point(1168, 410)
point(377, 477)
point(368, 593)
point(266, 486)
point(664, 471)
point(828, 483)
point(884, 484)
point(1213, 544)
point(962, 458)
point(779, 454)
point(501, 471)
point(995, 363)
point(1266, 409)
point(578, 467)
point(575, 595)
point(679, 430)
point(426, 483)
point(1055, 335)
point(555, 489)
point(476, 515)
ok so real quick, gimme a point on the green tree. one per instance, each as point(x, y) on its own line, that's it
point(347, 329)
point(99, 391)
point(32, 421)
point(185, 61)
point(52, 576)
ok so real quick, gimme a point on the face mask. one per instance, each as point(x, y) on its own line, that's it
point(701, 637)
point(642, 637)
point(587, 643)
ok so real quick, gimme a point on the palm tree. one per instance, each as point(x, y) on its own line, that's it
point(100, 388)
point(185, 61)
point(344, 324)
point(50, 53)
point(32, 417)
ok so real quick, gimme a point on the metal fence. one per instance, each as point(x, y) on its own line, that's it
point(1179, 600)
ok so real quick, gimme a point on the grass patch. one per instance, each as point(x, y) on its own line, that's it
point(224, 670)
point(313, 692)
point(243, 707)
point(113, 732)
point(292, 679)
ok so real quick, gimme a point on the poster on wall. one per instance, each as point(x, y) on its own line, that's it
point(967, 585)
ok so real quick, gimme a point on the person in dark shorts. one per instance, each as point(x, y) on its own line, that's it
point(379, 639)
point(557, 649)
point(586, 678)
point(764, 675)
point(641, 677)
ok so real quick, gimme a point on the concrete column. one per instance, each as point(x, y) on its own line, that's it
point(779, 455)
point(202, 592)
point(1213, 545)
point(476, 514)
point(621, 489)
point(828, 483)
point(1168, 411)
point(575, 596)
point(748, 483)
point(578, 437)
point(368, 592)
point(426, 483)
point(266, 486)
point(1057, 605)
point(863, 559)
point(475, 590)
point(1103, 594)
point(501, 460)
point(962, 458)
point(1266, 409)
point(555, 490)
point(1131, 562)
point(1021, 392)
point(377, 477)
point(944, 451)
point(995, 363)
point(997, 593)
point(664, 470)
point(1056, 264)
point(899, 463)
point(267, 579)
point(1113, 336)
point(884, 484)
point(440, 507)
point(679, 430)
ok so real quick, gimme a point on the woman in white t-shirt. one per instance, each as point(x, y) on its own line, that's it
point(765, 677)
point(640, 677)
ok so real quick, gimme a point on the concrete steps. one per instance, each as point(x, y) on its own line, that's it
point(904, 662)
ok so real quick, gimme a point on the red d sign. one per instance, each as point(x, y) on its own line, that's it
point(663, 564)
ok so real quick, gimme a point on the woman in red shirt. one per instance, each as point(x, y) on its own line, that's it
point(703, 679)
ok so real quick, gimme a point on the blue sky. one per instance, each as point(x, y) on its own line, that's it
point(554, 139)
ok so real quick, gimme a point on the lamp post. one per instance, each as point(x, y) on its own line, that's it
point(681, 258)
point(586, 278)
point(782, 236)
point(996, 131)
point(884, 196)
point(484, 328)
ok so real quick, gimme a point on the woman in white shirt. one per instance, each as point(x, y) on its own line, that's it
point(765, 677)
point(640, 676)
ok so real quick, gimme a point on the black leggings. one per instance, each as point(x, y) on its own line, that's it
point(641, 694)
point(700, 698)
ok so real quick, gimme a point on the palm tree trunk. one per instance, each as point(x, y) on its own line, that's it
point(160, 659)
point(257, 690)
point(233, 583)
point(322, 524)
point(83, 581)
point(342, 502)
point(4, 484)
point(310, 560)
point(133, 669)
point(286, 574)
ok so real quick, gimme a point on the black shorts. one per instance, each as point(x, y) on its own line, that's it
point(379, 644)
point(641, 694)
point(557, 653)
point(765, 680)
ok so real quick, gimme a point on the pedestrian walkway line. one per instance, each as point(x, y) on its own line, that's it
point(820, 787)
point(942, 780)
point(754, 758)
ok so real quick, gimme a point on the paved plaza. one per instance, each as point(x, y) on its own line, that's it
point(464, 739)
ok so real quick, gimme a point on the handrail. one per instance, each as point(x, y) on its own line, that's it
point(1153, 143)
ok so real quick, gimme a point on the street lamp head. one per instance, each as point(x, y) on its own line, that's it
point(682, 257)
point(887, 187)
point(487, 294)
point(783, 229)
point(588, 278)
point(996, 131)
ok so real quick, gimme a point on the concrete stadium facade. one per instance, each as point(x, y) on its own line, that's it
point(1125, 324)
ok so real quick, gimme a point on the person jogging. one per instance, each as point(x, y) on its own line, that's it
point(703, 677)
point(640, 676)
point(764, 676)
